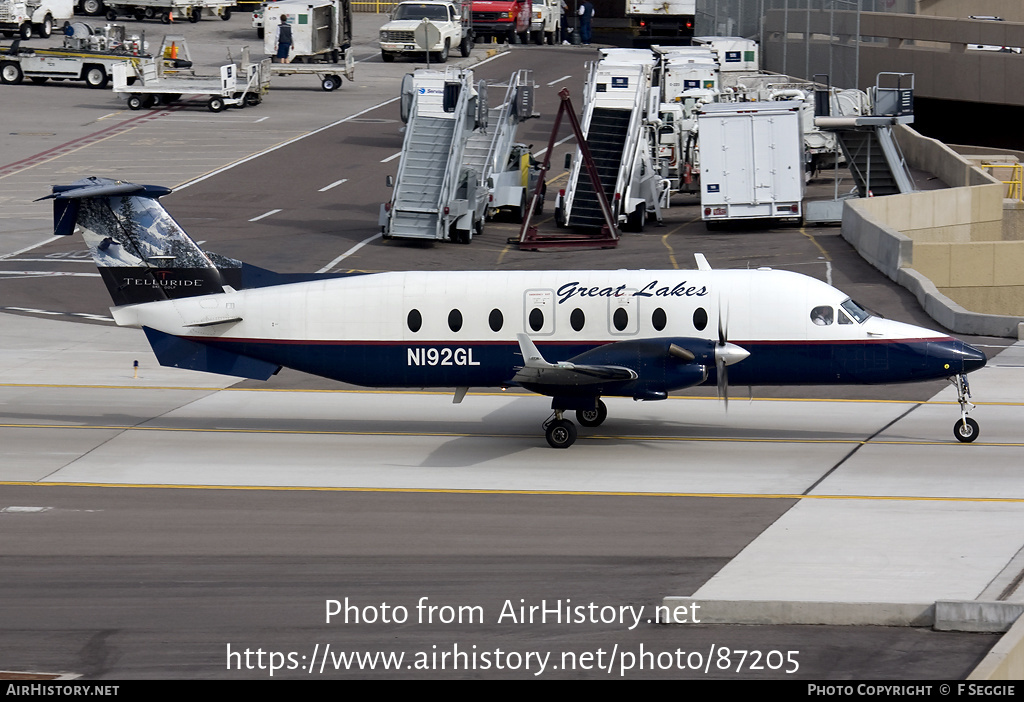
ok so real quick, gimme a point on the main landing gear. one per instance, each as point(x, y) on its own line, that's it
point(561, 433)
point(965, 429)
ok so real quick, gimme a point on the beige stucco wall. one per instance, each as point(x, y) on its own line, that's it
point(956, 234)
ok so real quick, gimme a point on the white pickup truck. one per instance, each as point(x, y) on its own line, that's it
point(452, 19)
point(25, 17)
point(546, 22)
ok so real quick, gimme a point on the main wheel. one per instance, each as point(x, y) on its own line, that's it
point(216, 104)
point(594, 417)
point(10, 73)
point(966, 430)
point(96, 77)
point(561, 434)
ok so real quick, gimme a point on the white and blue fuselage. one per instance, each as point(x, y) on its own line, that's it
point(449, 329)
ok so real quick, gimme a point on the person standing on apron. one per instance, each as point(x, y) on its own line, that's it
point(284, 40)
point(586, 13)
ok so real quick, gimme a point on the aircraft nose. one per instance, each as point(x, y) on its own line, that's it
point(973, 358)
point(958, 357)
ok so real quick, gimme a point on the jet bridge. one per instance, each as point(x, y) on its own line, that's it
point(617, 97)
point(435, 195)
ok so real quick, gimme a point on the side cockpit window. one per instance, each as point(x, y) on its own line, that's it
point(822, 315)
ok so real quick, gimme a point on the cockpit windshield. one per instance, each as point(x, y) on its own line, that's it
point(856, 311)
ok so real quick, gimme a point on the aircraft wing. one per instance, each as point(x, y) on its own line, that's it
point(537, 371)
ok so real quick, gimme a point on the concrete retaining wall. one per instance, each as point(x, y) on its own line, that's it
point(946, 246)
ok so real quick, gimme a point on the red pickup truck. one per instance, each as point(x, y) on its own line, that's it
point(507, 20)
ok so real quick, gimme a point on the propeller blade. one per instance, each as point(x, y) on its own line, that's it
point(723, 379)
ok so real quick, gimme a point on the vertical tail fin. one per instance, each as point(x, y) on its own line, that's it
point(142, 253)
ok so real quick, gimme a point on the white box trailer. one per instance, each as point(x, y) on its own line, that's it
point(318, 28)
point(321, 39)
point(751, 161)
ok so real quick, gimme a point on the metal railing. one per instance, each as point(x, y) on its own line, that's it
point(377, 6)
point(1014, 190)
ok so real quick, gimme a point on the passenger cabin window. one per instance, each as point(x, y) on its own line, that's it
point(700, 319)
point(620, 319)
point(496, 320)
point(659, 319)
point(577, 319)
point(822, 315)
point(536, 319)
point(455, 320)
point(414, 320)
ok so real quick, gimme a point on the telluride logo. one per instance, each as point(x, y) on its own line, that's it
point(163, 282)
point(570, 290)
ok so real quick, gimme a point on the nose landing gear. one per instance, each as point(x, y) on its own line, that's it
point(965, 429)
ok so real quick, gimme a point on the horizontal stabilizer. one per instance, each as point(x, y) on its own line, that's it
point(176, 352)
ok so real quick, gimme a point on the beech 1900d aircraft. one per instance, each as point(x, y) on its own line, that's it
point(574, 336)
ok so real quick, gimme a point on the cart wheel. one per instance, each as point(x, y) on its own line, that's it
point(196, 15)
point(134, 102)
point(139, 15)
point(328, 84)
point(149, 12)
point(96, 77)
point(226, 14)
point(165, 18)
point(111, 15)
point(150, 100)
point(216, 104)
point(11, 73)
point(337, 81)
point(252, 99)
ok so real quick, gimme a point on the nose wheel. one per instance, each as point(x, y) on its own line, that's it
point(965, 429)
